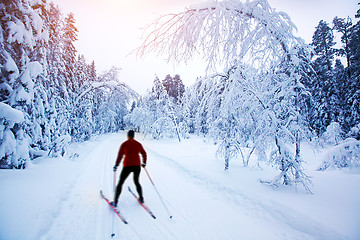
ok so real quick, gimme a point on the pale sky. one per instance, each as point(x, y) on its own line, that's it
point(110, 29)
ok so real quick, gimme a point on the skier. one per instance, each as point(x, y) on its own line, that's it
point(132, 164)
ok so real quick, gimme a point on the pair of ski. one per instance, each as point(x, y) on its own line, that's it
point(118, 212)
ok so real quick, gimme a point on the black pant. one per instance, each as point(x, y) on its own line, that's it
point(124, 174)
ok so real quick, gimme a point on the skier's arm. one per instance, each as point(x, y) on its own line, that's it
point(120, 155)
point(144, 156)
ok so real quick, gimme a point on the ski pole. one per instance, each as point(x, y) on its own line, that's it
point(114, 181)
point(114, 184)
point(162, 201)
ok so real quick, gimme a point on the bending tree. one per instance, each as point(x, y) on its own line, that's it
point(238, 35)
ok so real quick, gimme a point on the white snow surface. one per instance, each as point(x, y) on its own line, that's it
point(10, 114)
point(18, 33)
point(58, 198)
point(10, 64)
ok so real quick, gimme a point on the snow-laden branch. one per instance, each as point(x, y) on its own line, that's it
point(222, 32)
point(111, 85)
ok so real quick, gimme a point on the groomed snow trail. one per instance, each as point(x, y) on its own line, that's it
point(202, 208)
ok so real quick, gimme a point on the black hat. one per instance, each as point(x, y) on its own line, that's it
point(131, 134)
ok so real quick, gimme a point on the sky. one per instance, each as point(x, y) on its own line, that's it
point(110, 29)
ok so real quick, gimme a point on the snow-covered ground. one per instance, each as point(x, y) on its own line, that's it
point(58, 198)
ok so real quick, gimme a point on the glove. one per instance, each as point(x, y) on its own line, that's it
point(143, 165)
point(115, 168)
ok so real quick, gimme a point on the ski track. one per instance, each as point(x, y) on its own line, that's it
point(256, 208)
point(82, 214)
point(80, 206)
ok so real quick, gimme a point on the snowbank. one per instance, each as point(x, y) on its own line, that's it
point(344, 155)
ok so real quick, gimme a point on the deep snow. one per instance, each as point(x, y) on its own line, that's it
point(58, 198)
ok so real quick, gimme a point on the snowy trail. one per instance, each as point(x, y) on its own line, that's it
point(203, 207)
point(81, 210)
point(83, 215)
point(199, 204)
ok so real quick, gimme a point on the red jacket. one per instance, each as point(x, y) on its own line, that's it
point(131, 149)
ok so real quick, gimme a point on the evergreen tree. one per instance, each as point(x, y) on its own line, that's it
point(323, 87)
point(353, 93)
point(23, 55)
point(52, 92)
point(179, 87)
point(174, 87)
point(323, 42)
point(344, 27)
point(69, 54)
point(354, 48)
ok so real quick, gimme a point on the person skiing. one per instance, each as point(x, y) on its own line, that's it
point(132, 164)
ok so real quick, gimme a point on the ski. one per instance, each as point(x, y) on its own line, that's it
point(113, 208)
point(142, 204)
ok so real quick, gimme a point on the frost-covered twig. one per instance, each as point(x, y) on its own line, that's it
point(222, 32)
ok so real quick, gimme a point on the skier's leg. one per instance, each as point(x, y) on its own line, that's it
point(136, 181)
point(124, 174)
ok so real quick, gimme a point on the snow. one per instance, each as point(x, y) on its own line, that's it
point(58, 198)
point(21, 95)
point(8, 143)
point(18, 33)
point(10, 65)
point(344, 155)
point(35, 69)
point(37, 23)
point(10, 114)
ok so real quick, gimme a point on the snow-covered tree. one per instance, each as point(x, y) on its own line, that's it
point(56, 91)
point(324, 86)
point(13, 149)
point(323, 42)
point(69, 36)
point(157, 113)
point(174, 87)
point(236, 34)
point(344, 27)
point(353, 93)
point(23, 55)
point(334, 134)
point(344, 155)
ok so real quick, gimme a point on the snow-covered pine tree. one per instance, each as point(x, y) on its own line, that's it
point(24, 57)
point(42, 77)
point(13, 149)
point(191, 101)
point(179, 87)
point(323, 87)
point(174, 87)
point(353, 95)
point(344, 27)
point(69, 36)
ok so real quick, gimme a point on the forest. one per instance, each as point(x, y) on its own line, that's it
point(275, 93)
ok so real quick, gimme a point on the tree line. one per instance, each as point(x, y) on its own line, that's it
point(335, 87)
point(275, 92)
point(49, 94)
